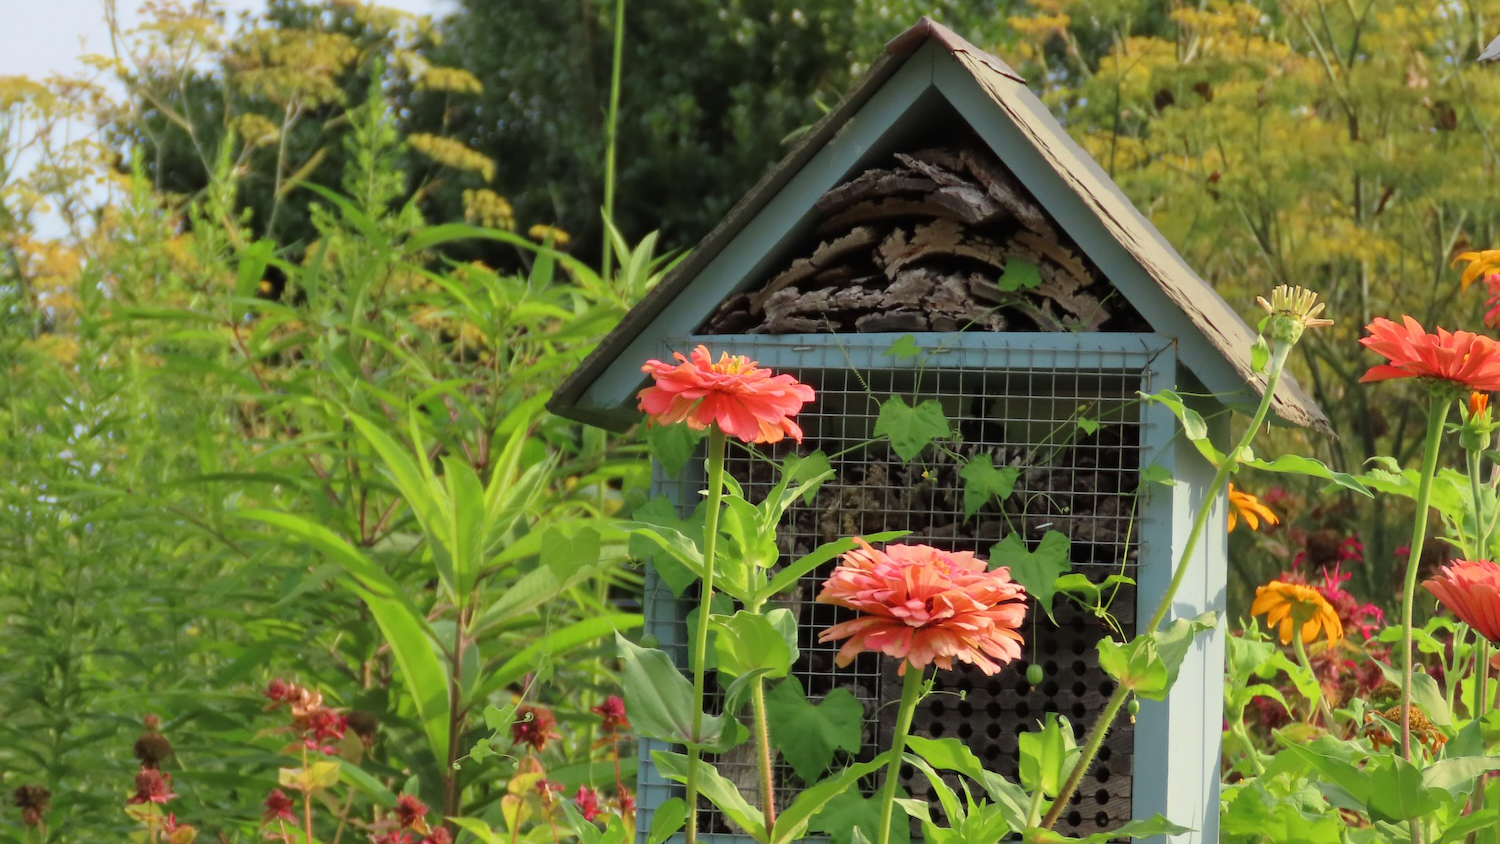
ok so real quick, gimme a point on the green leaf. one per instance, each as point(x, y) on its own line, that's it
point(668, 818)
point(1157, 474)
point(1047, 755)
point(661, 699)
point(1019, 275)
point(982, 481)
point(1148, 664)
point(672, 446)
point(1260, 355)
point(808, 735)
point(849, 813)
point(720, 791)
point(1154, 825)
point(911, 429)
point(481, 830)
point(1037, 570)
point(1397, 792)
point(904, 347)
point(786, 579)
point(792, 823)
point(556, 642)
point(1296, 464)
point(659, 513)
point(749, 642)
point(1193, 426)
point(404, 627)
point(950, 754)
point(1258, 816)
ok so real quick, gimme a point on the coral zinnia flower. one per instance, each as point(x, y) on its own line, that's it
point(744, 401)
point(1470, 589)
point(923, 606)
point(1291, 605)
point(1480, 263)
point(1462, 357)
point(1243, 504)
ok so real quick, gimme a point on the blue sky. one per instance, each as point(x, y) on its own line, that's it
point(40, 37)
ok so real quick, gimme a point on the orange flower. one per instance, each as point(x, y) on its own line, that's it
point(1479, 404)
point(1462, 357)
point(744, 401)
point(1470, 589)
point(1243, 504)
point(1291, 605)
point(1480, 263)
point(923, 606)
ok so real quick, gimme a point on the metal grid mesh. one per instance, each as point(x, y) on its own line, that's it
point(1078, 480)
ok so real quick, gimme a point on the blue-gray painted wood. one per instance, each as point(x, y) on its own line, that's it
point(1178, 740)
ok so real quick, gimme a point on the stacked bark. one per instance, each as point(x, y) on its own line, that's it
point(943, 239)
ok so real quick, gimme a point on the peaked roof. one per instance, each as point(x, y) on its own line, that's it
point(925, 65)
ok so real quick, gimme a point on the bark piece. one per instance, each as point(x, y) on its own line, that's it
point(827, 254)
point(1005, 190)
point(943, 237)
point(872, 184)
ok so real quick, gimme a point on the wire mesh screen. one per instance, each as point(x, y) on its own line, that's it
point(1073, 441)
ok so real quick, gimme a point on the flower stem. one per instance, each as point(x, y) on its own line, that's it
point(911, 692)
point(1279, 355)
point(717, 443)
point(1251, 753)
point(763, 742)
point(1321, 702)
point(1437, 414)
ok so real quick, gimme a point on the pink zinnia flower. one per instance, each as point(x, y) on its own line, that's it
point(1470, 589)
point(1462, 357)
point(745, 402)
point(925, 606)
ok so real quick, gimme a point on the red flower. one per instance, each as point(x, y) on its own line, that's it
point(409, 810)
point(533, 726)
point(587, 800)
point(925, 606)
point(152, 786)
point(278, 690)
point(612, 710)
point(744, 401)
point(1461, 357)
point(626, 799)
point(1470, 589)
point(278, 807)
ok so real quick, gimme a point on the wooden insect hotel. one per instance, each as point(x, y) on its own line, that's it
point(938, 237)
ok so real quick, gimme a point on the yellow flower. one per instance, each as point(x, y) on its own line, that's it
point(1480, 263)
point(1298, 303)
point(1243, 504)
point(1293, 605)
point(543, 233)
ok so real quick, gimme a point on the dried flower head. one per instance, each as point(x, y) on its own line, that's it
point(1243, 505)
point(1291, 311)
point(925, 606)
point(1421, 727)
point(33, 801)
point(744, 401)
point(1292, 606)
point(152, 748)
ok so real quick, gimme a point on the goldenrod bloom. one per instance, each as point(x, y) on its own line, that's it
point(1480, 263)
point(1243, 504)
point(1292, 605)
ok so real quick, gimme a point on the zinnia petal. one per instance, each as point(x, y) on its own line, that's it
point(734, 394)
point(1470, 589)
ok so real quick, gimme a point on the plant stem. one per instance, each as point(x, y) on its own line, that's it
point(1321, 702)
point(1437, 414)
point(1250, 752)
point(1481, 644)
point(1227, 467)
point(717, 444)
point(763, 743)
point(911, 692)
point(611, 126)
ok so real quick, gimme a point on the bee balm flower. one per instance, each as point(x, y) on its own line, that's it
point(925, 606)
point(745, 401)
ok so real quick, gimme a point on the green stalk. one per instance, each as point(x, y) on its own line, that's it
point(1437, 414)
point(611, 126)
point(1481, 644)
point(1116, 700)
point(717, 444)
point(763, 744)
point(1321, 702)
point(1250, 752)
point(911, 692)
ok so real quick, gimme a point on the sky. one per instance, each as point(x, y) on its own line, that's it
point(40, 37)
